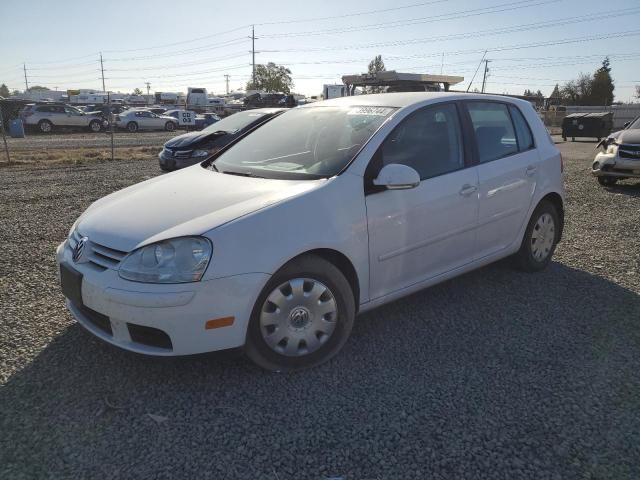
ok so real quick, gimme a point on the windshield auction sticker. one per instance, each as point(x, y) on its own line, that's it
point(378, 111)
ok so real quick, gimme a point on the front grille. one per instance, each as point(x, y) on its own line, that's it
point(629, 151)
point(149, 336)
point(182, 153)
point(100, 256)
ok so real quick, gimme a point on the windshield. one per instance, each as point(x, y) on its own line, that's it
point(310, 142)
point(234, 122)
point(635, 124)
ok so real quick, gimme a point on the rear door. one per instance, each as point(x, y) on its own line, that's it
point(507, 172)
point(423, 232)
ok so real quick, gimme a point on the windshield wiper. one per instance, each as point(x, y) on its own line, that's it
point(213, 167)
point(241, 174)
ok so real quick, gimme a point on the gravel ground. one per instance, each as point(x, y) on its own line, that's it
point(496, 374)
point(89, 140)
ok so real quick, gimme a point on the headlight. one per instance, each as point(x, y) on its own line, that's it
point(179, 260)
point(200, 153)
point(613, 148)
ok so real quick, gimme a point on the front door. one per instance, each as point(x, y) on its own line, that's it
point(423, 232)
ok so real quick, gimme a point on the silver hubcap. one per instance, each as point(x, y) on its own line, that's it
point(298, 317)
point(542, 237)
point(95, 126)
point(45, 126)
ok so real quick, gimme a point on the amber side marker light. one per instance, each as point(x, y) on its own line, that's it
point(219, 322)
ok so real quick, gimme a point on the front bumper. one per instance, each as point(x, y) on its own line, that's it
point(611, 165)
point(166, 320)
point(169, 160)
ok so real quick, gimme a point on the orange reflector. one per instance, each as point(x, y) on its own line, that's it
point(219, 322)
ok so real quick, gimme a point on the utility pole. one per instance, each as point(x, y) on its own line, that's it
point(484, 77)
point(253, 54)
point(4, 136)
point(226, 77)
point(102, 70)
point(26, 83)
point(476, 72)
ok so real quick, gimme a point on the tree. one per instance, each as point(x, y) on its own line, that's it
point(271, 78)
point(577, 92)
point(376, 65)
point(137, 91)
point(38, 88)
point(4, 90)
point(602, 85)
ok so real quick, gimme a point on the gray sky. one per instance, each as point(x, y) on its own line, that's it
point(173, 45)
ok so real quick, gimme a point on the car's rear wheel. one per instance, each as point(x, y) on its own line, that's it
point(607, 181)
point(45, 126)
point(540, 238)
point(303, 316)
point(132, 127)
point(169, 126)
point(95, 126)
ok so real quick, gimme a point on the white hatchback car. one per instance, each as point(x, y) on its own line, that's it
point(328, 210)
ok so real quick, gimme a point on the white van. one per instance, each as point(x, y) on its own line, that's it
point(197, 97)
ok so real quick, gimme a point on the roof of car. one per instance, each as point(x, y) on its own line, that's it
point(404, 99)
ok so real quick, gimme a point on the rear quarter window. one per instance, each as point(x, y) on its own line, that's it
point(523, 130)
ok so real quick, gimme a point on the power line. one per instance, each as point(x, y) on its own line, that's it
point(432, 18)
point(348, 15)
point(480, 33)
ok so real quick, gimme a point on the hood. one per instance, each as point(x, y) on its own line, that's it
point(191, 138)
point(627, 136)
point(191, 201)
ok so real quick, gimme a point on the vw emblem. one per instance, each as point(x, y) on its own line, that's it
point(78, 250)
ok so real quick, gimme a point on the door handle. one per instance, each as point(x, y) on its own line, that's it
point(468, 190)
point(531, 170)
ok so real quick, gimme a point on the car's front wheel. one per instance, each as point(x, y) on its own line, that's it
point(540, 238)
point(607, 181)
point(132, 127)
point(303, 316)
point(170, 126)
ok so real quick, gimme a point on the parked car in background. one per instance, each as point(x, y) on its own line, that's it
point(621, 156)
point(325, 211)
point(139, 119)
point(157, 110)
point(47, 117)
point(193, 147)
point(204, 120)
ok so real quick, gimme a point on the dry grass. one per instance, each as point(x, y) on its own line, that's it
point(79, 156)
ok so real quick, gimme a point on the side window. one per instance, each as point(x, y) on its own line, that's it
point(70, 110)
point(494, 130)
point(44, 109)
point(429, 141)
point(57, 109)
point(523, 131)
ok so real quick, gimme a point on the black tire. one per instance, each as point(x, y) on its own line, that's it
point(524, 259)
point(564, 138)
point(169, 126)
point(95, 126)
point(607, 181)
point(132, 127)
point(573, 139)
point(313, 267)
point(45, 126)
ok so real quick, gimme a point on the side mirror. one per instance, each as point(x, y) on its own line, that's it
point(397, 177)
point(626, 124)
